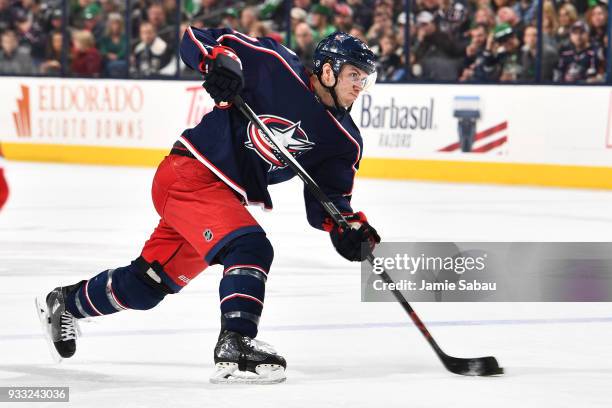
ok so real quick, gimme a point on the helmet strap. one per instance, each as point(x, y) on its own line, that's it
point(331, 89)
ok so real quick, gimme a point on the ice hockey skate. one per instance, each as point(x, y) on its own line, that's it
point(60, 327)
point(243, 360)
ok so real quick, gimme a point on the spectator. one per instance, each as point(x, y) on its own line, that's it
point(157, 18)
point(54, 20)
point(52, 64)
point(33, 8)
point(303, 4)
point(362, 12)
point(274, 13)
point(358, 32)
point(550, 24)
point(169, 7)
point(597, 19)
point(453, 19)
point(259, 29)
point(30, 36)
point(382, 25)
point(498, 4)
point(305, 44)
point(500, 61)
point(508, 16)
point(389, 64)
point(230, 19)
point(579, 62)
point(474, 51)
point(526, 10)
point(436, 55)
point(93, 21)
point(77, 11)
point(152, 56)
point(433, 6)
point(249, 17)
point(485, 16)
point(86, 59)
point(330, 4)
point(385, 6)
point(113, 47)
point(529, 52)
point(399, 33)
point(14, 59)
point(138, 14)
point(111, 6)
point(582, 6)
point(298, 16)
point(343, 18)
point(320, 17)
point(567, 17)
point(210, 13)
point(6, 16)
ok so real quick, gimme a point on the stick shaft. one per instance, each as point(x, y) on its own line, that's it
point(281, 153)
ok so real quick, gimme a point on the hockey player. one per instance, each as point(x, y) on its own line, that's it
point(215, 169)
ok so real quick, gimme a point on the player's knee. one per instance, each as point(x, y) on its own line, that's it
point(249, 249)
point(140, 284)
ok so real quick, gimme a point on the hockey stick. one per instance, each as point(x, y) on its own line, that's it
point(480, 366)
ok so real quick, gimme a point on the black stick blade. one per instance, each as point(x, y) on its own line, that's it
point(483, 366)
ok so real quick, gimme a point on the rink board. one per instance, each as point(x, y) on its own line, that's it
point(532, 135)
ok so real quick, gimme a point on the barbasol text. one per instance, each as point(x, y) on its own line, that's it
point(393, 116)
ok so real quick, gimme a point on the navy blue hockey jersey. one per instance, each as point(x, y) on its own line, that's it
point(324, 141)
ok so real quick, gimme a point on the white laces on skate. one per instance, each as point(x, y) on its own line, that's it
point(68, 327)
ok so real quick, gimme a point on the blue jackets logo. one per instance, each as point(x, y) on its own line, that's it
point(286, 132)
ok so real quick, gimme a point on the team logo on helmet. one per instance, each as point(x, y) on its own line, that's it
point(288, 133)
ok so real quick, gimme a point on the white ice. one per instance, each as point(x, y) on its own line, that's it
point(65, 223)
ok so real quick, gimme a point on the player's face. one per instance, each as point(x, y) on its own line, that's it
point(351, 82)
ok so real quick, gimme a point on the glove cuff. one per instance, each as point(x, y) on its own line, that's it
point(358, 217)
point(214, 53)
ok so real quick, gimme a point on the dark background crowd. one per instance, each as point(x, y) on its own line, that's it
point(448, 40)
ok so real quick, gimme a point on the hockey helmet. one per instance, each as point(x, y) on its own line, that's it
point(340, 48)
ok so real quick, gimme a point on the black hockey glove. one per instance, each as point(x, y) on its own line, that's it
point(348, 241)
point(222, 70)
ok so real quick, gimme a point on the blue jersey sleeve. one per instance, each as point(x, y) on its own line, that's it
point(197, 43)
point(335, 177)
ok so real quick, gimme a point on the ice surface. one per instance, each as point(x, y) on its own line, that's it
point(65, 223)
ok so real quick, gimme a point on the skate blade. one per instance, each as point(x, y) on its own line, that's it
point(228, 373)
point(43, 315)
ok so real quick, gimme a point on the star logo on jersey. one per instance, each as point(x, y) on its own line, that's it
point(288, 133)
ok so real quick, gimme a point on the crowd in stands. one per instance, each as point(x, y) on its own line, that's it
point(449, 40)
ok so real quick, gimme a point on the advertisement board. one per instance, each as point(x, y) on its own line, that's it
point(543, 135)
point(517, 124)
